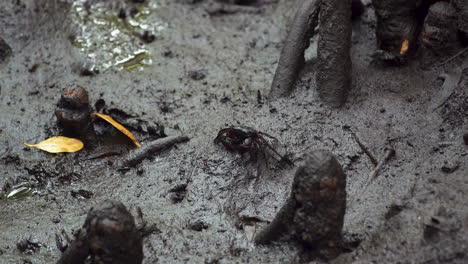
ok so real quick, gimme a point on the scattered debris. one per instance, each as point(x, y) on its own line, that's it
point(365, 149)
point(218, 9)
point(389, 153)
point(109, 235)
point(149, 149)
point(178, 193)
point(58, 145)
point(103, 154)
point(314, 212)
point(394, 210)
point(5, 51)
point(197, 225)
point(81, 194)
point(26, 246)
point(197, 75)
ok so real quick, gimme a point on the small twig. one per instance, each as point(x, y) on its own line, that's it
point(389, 153)
point(138, 155)
point(365, 149)
point(453, 57)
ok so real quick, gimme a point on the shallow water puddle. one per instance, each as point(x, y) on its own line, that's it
point(113, 34)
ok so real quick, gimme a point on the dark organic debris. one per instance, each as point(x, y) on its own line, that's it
point(142, 225)
point(33, 68)
point(109, 235)
point(103, 154)
point(11, 158)
point(219, 8)
point(85, 68)
point(81, 194)
point(389, 153)
point(197, 75)
point(178, 193)
point(450, 167)
point(150, 148)
point(465, 138)
point(365, 149)
point(26, 246)
point(394, 210)
point(5, 51)
point(314, 212)
point(197, 225)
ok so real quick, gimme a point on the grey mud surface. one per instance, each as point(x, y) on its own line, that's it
point(414, 212)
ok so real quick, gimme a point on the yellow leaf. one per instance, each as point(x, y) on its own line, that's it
point(404, 47)
point(119, 127)
point(58, 145)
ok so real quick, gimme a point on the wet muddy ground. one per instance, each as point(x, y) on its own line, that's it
point(206, 70)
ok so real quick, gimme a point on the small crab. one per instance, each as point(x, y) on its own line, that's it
point(246, 140)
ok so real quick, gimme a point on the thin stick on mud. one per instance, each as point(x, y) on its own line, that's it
point(389, 153)
point(365, 149)
point(453, 57)
point(292, 58)
point(147, 150)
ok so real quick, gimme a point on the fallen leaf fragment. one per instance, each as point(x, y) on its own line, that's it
point(119, 127)
point(58, 145)
point(404, 47)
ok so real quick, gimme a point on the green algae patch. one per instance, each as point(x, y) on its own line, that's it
point(111, 34)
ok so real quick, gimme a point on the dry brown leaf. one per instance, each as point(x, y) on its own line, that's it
point(58, 145)
point(119, 127)
point(404, 47)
